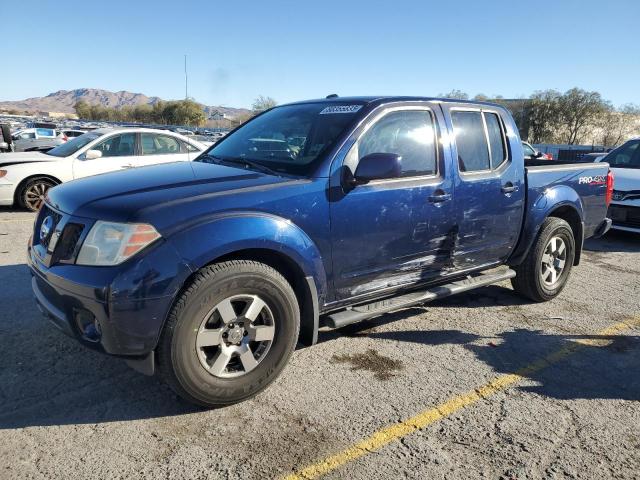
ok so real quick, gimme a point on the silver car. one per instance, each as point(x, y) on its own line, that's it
point(36, 138)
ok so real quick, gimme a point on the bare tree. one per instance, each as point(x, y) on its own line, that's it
point(262, 103)
point(579, 110)
point(613, 127)
point(455, 94)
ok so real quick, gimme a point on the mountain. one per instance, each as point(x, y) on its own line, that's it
point(64, 100)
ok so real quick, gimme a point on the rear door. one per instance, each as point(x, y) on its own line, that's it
point(393, 232)
point(118, 153)
point(490, 189)
point(157, 148)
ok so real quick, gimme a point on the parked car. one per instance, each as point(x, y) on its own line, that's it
point(210, 272)
point(72, 133)
point(31, 138)
point(592, 157)
point(625, 207)
point(531, 153)
point(6, 142)
point(26, 177)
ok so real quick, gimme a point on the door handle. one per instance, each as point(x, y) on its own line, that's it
point(439, 198)
point(509, 188)
point(128, 165)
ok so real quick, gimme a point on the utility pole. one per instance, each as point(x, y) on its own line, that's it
point(186, 91)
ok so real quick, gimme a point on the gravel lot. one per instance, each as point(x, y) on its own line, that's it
point(67, 412)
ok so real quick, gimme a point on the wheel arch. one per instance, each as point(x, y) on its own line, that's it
point(560, 202)
point(570, 214)
point(24, 181)
point(267, 239)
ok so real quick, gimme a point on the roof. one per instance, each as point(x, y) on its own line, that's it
point(391, 98)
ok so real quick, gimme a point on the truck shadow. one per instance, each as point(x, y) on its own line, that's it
point(48, 379)
point(566, 367)
point(614, 241)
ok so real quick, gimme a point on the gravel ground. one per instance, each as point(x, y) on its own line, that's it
point(67, 412)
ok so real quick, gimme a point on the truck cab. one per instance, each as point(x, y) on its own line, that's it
point(313, 214)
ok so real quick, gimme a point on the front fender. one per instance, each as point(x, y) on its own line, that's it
point(539, 207)
point(223, 234)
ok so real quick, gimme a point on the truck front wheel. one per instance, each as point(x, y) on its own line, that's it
point(230, 333)
point(545, 271)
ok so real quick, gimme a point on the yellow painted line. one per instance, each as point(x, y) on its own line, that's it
point(16, 220)
point(394, 432)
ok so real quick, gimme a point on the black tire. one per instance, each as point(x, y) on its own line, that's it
point(528, 280)
point(37, 185)
point(178, 359)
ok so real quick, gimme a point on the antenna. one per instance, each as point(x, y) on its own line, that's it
point(186, 79)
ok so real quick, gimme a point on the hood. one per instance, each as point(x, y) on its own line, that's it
point(626, 179)
point(140, 193)
point(7, 159)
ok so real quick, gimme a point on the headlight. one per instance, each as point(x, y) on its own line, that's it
point(110, 243)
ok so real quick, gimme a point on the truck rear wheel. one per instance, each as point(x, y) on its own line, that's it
point(230, 334)
point(545, 271)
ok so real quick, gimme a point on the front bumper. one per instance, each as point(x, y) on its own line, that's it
point(124, 327)
point(626, 217)
point(117, 310)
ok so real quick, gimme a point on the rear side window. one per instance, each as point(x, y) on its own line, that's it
point(496, 139)
point(410, 134)
point(479, 149)
point(471, 142)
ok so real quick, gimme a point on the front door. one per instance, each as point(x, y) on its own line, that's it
point(489, 203)
point(397, 231)
point(118, 153)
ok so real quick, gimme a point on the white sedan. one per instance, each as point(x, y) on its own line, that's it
point(26, 177)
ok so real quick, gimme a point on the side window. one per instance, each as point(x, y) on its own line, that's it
point(471, 142)
point(118, 145)
point(496, 139)
point(528, 151)
point(410, 134)
point(624, 155)
point(187, 147)
point(153, 144)
point(28, 135)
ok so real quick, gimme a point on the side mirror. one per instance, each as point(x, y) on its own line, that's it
point(538, 155)
point(92, 154)
point(377, 166)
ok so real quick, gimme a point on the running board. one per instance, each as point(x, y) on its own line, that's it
point(363, 312)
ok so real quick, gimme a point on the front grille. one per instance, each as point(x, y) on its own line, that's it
point(625, 216)
point(46, 212)
point(62, 248)
point(66, 247)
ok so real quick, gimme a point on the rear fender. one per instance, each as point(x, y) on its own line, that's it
point(559, 201)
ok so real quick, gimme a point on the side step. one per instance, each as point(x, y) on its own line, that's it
point(363, 312)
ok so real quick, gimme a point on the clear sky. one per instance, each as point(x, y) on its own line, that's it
point(292, 50)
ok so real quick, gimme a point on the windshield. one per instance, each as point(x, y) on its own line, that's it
point(625, 156)
point(72, 146)
point(288, 139)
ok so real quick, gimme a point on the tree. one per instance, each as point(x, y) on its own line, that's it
point(579, 110)
point(613, 126)
point(542, 114)
point(83, 110)
point(455, 94)
point(261, 104)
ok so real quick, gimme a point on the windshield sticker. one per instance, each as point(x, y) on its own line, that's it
point(341, 109)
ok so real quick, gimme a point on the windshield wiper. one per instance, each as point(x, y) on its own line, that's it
point(245, 163)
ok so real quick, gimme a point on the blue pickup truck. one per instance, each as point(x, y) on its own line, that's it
point(311, 215)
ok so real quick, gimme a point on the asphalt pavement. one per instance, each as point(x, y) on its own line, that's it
point(481, 385)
